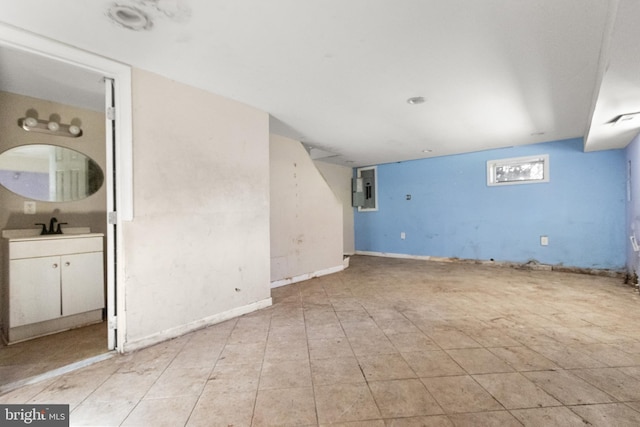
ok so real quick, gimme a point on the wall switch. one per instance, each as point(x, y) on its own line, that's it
point(402, 235)
point(29, 207)
point(544, 240)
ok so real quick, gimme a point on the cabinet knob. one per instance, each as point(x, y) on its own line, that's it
point(67, 263)
point(55, 265)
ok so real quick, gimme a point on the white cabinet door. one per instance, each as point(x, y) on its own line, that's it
point(82, 282)
point(34, 293)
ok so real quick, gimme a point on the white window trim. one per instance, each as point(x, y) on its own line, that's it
point(375, 188)
point(493, 164)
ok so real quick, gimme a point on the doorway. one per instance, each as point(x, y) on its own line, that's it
point(112, 85)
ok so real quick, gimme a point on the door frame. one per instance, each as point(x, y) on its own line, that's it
point(121, 187)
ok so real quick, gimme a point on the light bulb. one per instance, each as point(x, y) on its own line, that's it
point(53, 126)
point(31, 122)
point(74, 130)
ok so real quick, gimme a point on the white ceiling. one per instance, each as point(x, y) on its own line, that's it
point(336, 74)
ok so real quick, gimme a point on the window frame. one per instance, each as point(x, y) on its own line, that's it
point(493, 164)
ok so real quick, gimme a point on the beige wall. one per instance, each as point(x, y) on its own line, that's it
point(339, 180)
point(306, 217)
point(198, 245)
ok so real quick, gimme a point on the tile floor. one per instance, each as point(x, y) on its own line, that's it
point(34, 357)
point(387, 342)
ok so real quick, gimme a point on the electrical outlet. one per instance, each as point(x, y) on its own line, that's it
point(29, 207)
point(544, 240)
point(402, 235)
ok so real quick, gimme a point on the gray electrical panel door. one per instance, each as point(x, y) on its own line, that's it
point(364, 189)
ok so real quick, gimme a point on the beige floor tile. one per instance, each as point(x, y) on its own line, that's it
point(610, 355)
point(612, 414)
point(243, 353)
point(567, 357)
point(332, 330)
point(514, 391)
point(286, 350)
point(339, 370)
point(179, 382)
point(460, 394)
point(403, 398)
point(407, 342)
point(26, 393)
point(233, 377)
point(523, 359)
point(432, 364)
point(548, 417)
point(478, 361)
point(197, 356)
point(612, 381)
point(452, 339)
point(368, 423)
point(125, 385)
point(329, 348)
point(485, 419)
point(364, 346)
point(634, 405)
point(223, 409)
point(567, 388)
point(94, 412)
point(399, 326)
point(345, 402)
point(167, 412)
point(285, 374)
point(632, 371)
point(285, 407)
point(493, 338)
point(385, 367)
point(430, 421)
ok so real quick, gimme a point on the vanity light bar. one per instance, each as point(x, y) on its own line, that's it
point(31, 124)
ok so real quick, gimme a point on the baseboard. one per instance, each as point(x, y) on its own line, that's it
point(306, 276)
point(168, 334)
point(525, 266)
point(393, 255)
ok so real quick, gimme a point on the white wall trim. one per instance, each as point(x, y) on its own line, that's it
point(392, 255)
point(168, 334)
point(306, 276)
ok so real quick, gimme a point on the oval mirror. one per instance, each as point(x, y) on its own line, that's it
point(49, 173)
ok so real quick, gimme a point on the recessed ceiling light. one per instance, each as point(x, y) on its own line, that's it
point(427, 151)
point(129, 17)
point(416, 100)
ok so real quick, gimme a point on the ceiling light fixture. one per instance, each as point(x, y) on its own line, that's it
point(31, 124)
point(427, 151)
point(129, 17)
point(416, 100)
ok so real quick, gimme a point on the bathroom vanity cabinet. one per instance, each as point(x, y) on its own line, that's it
point(52, 283)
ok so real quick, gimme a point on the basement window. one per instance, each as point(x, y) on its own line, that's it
point(518, 170)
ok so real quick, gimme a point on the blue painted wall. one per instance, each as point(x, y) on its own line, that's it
point(632, 153)
point(453, 213)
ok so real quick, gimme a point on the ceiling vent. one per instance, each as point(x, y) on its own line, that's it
point(627, 119)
